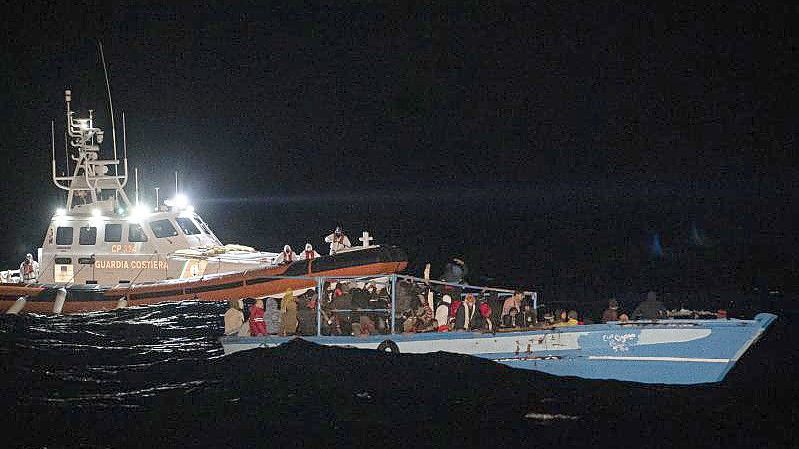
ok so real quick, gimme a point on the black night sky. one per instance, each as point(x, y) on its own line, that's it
point(666, 118)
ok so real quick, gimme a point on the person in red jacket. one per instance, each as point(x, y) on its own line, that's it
point(257, 324)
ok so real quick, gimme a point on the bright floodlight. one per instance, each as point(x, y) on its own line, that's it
point(60, 212)
point(96, 212)
point(180, 201)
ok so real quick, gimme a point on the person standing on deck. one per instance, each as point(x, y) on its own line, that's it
point(309, 253)
point(338, 241)
point(467, 317)
point(288, 314)
point(455, 271)
point(650, 309)
point(257, 324)
point(29, 270)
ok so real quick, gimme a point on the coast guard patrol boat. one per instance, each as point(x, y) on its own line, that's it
point(103, 251)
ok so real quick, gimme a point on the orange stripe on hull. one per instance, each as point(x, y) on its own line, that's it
point(245, 291)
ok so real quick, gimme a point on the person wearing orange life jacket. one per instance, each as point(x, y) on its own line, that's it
point(309, 253)
point(29, 270)
point(338, 241)
point(286, 256)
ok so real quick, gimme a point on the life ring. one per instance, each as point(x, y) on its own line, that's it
point(388, 346)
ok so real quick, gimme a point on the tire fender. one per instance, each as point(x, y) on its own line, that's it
point(388, 346)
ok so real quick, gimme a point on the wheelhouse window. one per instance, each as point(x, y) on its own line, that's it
point(113, 232)
point(163, 228)
point(136, 233)
point(63, 236)
point(187, 226)
point(88, 235)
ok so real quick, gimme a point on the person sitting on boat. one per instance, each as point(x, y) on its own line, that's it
point(513, 302)
point(29, 270)
point(338, 241)
point(527, 316)
point(510, 320)
point(442, 314)
point(650, 309)
point(567, 319)
point(425, 320)
point(257, 323)
point(309, 253)
point(234, 317)
point(467, 317)
point(286, 256)
point(288, 314)
point(612, 312)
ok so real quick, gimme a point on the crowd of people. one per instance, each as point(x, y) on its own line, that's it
point(356, 308)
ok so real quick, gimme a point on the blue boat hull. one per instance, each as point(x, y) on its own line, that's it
point(659, 352)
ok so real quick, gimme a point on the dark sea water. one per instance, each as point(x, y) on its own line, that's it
point(155, 376)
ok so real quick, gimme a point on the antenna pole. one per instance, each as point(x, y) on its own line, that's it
point(176, 183)
point(136, 178)
point(110, 104)
point(52, 141)
point(157, 203)
point(124, 139)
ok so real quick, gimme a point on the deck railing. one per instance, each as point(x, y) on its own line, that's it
point(390, 282)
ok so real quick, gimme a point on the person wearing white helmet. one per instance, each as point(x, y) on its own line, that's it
point(309, 253)
point(286, 256)
point(29, 270)
point(442, 314)
point(338, 241)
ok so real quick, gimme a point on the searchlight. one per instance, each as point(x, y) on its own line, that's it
point(138, 213)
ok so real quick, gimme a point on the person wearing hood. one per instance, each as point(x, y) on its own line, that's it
point(257, 323)
point(234, 317)
point(309, 253)
point(442, 314)
point(286, 256)
point(288, 314)
point(338, 241)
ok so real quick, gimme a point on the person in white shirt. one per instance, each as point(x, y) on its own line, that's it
point(29, 270)
point(287, 256)
point(338, 241)
point(309, 253)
